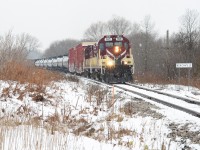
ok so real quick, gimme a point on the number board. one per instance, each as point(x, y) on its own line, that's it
point(183, 65)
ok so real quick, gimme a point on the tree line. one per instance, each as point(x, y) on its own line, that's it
point(16, 47)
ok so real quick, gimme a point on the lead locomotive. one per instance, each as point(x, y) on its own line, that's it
point(109, 60)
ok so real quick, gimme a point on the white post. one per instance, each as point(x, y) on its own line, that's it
point(188, 79)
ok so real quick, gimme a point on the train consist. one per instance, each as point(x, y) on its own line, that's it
point(57, 63)
point(109, 60)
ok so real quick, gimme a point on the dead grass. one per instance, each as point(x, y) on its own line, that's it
point(96, 92)
point(35, 121)
point(38, 98)
point(140, 108)
point(124, 132)
point(83, 126)
point(37, 92)
point(116, 117)
point(158, 79)
point(5, 92)
point(23, 72)
point(10, 122)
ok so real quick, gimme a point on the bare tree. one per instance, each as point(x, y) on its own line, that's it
point(135, 38)
point(148, 35)
point(95, 31)
point(189, 33)
point(60, 47)
point(187, 40)
point(16, 47)
point(119, 25)
point(25, 44)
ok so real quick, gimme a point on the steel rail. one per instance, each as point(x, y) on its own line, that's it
point(192, 112)
point(189, 100)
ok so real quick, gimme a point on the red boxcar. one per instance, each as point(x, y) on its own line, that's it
point(71, 55)
point(77, 57)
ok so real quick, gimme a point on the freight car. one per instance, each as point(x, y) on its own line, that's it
point(109, 60)
point(53, 63)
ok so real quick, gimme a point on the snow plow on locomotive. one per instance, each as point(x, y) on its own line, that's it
point(109, 60)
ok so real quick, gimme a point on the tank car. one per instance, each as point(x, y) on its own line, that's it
point(53, 63)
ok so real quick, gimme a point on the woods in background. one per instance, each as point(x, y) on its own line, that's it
point(153, 54)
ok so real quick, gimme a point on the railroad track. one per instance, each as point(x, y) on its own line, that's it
point(187, 105)
point(189, 100)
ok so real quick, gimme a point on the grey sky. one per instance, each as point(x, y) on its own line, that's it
point(51, 20)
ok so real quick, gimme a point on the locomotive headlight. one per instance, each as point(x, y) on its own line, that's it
point(117, 49)
point(110, 63)
point(125, 63)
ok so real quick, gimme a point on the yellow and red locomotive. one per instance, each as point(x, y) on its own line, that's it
point(110, 59)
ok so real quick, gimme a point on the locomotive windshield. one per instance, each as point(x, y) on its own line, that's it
point(109, 44)
point(118, 44)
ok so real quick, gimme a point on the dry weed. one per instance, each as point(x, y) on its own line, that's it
point(158, 79)
point(124, 132)
point(23, 72)
point(141, 108)
point(35, 121)
point(53, 119)
point(96, 92)
point(10, 122)
point(72, 78)
point(38, 98)
point(116, 117)
point(6, 92)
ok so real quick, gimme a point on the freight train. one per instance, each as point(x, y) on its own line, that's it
point(109, 60)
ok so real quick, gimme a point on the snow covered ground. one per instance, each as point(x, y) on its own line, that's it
point(81, 115)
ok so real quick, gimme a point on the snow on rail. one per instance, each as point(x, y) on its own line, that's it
point(167, 100)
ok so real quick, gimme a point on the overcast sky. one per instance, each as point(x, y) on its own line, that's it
point(51, 20)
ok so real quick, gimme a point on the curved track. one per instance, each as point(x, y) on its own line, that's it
point(189, 100)
point(187, 105)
